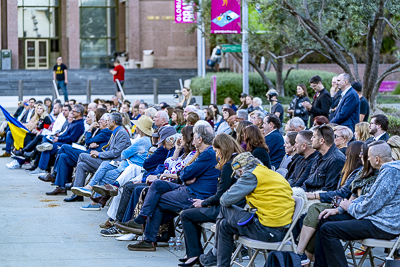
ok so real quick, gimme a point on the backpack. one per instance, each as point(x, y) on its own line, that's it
point(283, 259)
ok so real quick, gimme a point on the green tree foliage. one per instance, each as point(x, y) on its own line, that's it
point(340, 26)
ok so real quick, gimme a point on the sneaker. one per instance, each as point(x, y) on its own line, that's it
point(44, 147)
point(304, 260)
point(112, 231)
point(358, 253)
point(13, 164)
point(15, 155)
point(32, 168)
point(127, 237)
point(142, 246)
point(91, 207)
point(81, 191)
point(208, 259)
point(38, 171)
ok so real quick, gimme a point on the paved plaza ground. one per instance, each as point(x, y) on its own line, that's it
point(40, 230)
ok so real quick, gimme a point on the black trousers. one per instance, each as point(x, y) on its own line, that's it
point(32, 142)
point(328, 248)
point(190, 219)
point(227, 227)
point(127, 193)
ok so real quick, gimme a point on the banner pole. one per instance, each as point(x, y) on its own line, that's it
point(245, 46)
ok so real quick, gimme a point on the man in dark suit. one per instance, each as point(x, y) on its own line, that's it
point(322, 100)
point(348, 111)
point(378, 126)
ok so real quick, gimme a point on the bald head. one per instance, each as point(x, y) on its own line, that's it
point(381, 149)
point(379, 153)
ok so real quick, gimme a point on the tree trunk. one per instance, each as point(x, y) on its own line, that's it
point(279, 77)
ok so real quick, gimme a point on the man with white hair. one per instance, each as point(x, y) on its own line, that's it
point(257, 118)
point(200, 182)
point(256, 105)
point(189, 108)
point(161, 119)
point(92, 107)
point(295, 125)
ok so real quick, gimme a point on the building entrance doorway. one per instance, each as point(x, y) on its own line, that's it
point(36, 54)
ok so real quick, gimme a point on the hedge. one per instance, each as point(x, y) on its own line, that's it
point(230, 84)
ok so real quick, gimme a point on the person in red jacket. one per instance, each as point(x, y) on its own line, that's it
point(119, 73)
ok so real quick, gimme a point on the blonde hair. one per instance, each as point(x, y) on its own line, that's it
point(32, 124)
point(394, 143)
point(190, 95)
point(345, 131)
point(362, 129)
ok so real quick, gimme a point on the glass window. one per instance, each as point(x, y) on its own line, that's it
point(93, 2)
point(36, 3)
point(39, 22)
point(97, 32)
point(93, 22)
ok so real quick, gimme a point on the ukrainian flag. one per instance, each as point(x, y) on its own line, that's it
point(18, 130)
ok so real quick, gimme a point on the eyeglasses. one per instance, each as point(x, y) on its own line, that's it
point(74, 111)
point(338, 136)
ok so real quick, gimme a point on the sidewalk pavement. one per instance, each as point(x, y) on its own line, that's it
point(40, 230)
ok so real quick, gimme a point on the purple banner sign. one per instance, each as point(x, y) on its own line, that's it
point(184, 12)
point(225, 16)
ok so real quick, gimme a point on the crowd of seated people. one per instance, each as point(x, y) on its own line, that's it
point(152, 163)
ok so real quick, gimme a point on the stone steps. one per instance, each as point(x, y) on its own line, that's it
point(137, 81)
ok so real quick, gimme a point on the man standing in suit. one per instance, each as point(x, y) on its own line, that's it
point(348, 111)
point(322, 100)
point(378, 126)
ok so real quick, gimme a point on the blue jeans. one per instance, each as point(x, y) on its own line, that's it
point(45, 157)
point(163, 197)
point(66, 160)
point(9, 142)
point(61, 85)
point(105, 174)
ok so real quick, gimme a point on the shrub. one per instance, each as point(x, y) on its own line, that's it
point(230, 84)
point(396, 91)
point(394, 125)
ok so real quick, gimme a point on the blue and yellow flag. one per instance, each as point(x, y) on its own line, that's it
point(18, 130)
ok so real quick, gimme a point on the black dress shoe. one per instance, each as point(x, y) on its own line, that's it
point(57, 191)
point(74, 198)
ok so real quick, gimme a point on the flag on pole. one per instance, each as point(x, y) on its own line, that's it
point(225, 16)
point(18, 130)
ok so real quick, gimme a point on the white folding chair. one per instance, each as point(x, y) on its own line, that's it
point(372, 243)
point(287, 243)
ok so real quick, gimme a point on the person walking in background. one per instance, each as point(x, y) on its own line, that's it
point(119, 74)
point(60, 75)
